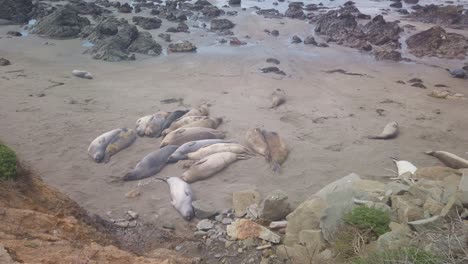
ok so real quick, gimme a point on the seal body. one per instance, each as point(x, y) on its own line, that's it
point(451, 160)
point(184, 135)
point(278, 97)
point(208, 123)
point(155, 124)
point(171, 118)
point(122, 140)
point(210, 165)
point(182, 122)
point(255, 140)
point(82, 74)
point(216, 148)
point(182, 151)
point(278, 150)
point(141, 124)
point(98, 146)
point(202, 110)
point(181, 197)
point(151, 164)
point(390, 131)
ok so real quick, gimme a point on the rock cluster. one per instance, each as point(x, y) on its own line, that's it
point(65, 22)
point(449, 15)
point(17, 11)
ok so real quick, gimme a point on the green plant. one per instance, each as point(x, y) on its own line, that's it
point(7, 163)
point(366, 218)
point(410, 255)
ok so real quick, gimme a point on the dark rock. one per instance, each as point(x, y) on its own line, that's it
point(458, 73)
point(4, 62)
point(452, 16)
point(137, 9)
point(145, 44)
point(396, 5)
point(323, 45)
point(269, 13)
point(221, 24)
point(181, 27)
point(273, 70)
point(379, 32)
point(295, 11)
point(231, 13)
point(386, 54)
point(310, 41)
point(419, 85)
point(403, 11)
point(237, 42)
point(296, 39)
point(147, 23)
point(411, 2)
point(182, 46)
point(234, 2)
point(211, 11)
point(62, 23)
point(125, 8)
point(415, 80)
point(89, 8)
point(311, 7)
point(273, 60)
point(349, 3)
point(16, 10)
point(437, 42)
point(14, 33)
point(363, 16)
point(275, 33)
point(275, 206)
point(166, 37)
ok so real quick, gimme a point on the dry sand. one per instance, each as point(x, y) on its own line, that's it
point(325, 120)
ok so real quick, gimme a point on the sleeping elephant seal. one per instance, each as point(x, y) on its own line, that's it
point(451, 160)
point(210, 165)
point(208, 123)
point(154, 126)
point(184, 135)
point(181, 196)
point(151, 164)
point(255, 140)
point(192, 146)
point(98, 146)
point(218, 147)
point(170, 119)
point(278, 98)
point(390, 131)
point(182, 122)
point(121, 141)
point(277, 148)
point(142, 123)
point(202, 110)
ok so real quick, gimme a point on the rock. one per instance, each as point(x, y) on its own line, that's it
point(386, 54)
point(295, 11)
point(310, 41)
point(425, 224)
point(145, 44)
point(273, 70)
point(4, 62)
point(62, 23)
point(432, 207)
point(221, 24)
point(205, 225)
point(269, 13)
point(275, 33)
point(379, 32)
point(182, 46)
point(411, 2)
point(241, 200)
point(463, 188)
point(337, 185)
point(312, 239)
point(436, 173)
point(396, 188)
point(273, 61)
point(275, 206)
point(14, 33)
point(211, 11)
point(226, 221)
point(419, 85)
point(169, 225)
point(242, 229)
point(147, 23)
point(305, 217)
point(252, 211)
point(125, 8)
point(17, 11)
point(166, 37)
point(395, 239)
point(133, 215)
point(396, 5)
point(448, 15)
point(199, 234)
point(278, 225)
point(237, 42)
point(455, 73)
point(234, 2)
point(296, 39)
point(406, 209)
point(203, 210)
point(437, 42)
point(82, 74)
point(5, 257)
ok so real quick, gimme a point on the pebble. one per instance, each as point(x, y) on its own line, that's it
point(205, 225)
point(132, 214)
point(227, 221)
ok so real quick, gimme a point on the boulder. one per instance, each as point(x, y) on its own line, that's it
point(395, 188)
point(4, 62)
point(125, 8)
point(432, 207)
point(296, 39)
point(411, 2)
point(305, 217)
point(205, 225)
point(147, 23)
point(165, 37)
point(395, 239)
point(16, 11)
point(425, 224)
point(241, 200)
point(337, 185)
point(447, 15)
point(312, 240)
point(61, 24)
point(387, 54)
point(203, 210)
point(406, 208)
point(458, 73)
point(145, 44)
point(234, 2)
point(436, 173)
point(243, 229)
point(275, 206)
point(295, 11)
point(310, 41)
point(182, 46)
point(221, 24)
point(379, 32)
point(5, 257)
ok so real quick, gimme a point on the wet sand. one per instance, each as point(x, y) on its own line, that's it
point(325, 120)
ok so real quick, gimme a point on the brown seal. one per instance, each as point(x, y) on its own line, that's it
point(278, 149)
point(184, 135)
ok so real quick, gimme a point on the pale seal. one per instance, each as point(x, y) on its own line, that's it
point(451, 160)
point(202, 110)
point(182, 122)
point(98, 146)
point(183, 150)
point(184, 135)
point(82, 74)
point(390, 131)
point(142, 123)
point(277, 148)
point(255, 140)
point(122, 140)
point(151, 164)
point(208, 123)
point(181, 196)
point(155, 125)
point(278, 97)
point(171, 118)
point(218, 147)
point(210, 165)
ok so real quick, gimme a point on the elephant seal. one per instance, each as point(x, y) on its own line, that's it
point(255, 140)
point(181, 196)
point(171, 118)
point(278, 150)
point(183, 150)
point(208, 123)
point(122, 140)
point(278, 97)
point(98, 146)
point(184, 135)
point(390, 131)
point(210, 165)
point(82, 74)
point(218, 147)
point(451, 160)
point(202, 110)
point(151, 164)
point(182, 122)
point(142, 123)
point(155, 124)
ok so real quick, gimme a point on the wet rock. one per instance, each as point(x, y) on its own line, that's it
point(181, 27)
point(310, 41)
point(205, 225)
point(182, 46)
point(241, 200)
point(275, 33)
point(340, 26)
point(147, 23)
point(295, 11)
point(203, 210)
point(14, 33)
point(234, 2)
point(272, 69)
point(243, 229)
point(269, 13)
point(211, 11)
point(458, 73)
point(221, 24)
point(387, 54)
point(62, 23)
point(415, 80)
point(275, 206)
point(89, 8)
point(449, 15)
point(16, 11)
point(125, 8)
point(273, 61)
point(379, 32)
point(296, 39)
point(305, 217)
point(237, 42)
point(145, 44)
point(437, 42)
point(411, 2)
point(311, 7)
point(396, 5)
point(165, 37)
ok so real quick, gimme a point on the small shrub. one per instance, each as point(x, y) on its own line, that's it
point(7, 163)
point(366, 218)
point(410, 255)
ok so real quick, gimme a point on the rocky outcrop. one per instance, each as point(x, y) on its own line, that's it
point(379, 32)
point(438, 43)
point(450, 15)
point(295, 11)
point(17, 11)
point(63, 23)
point(145, 44)
point(147, 23)
point(221, 24)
